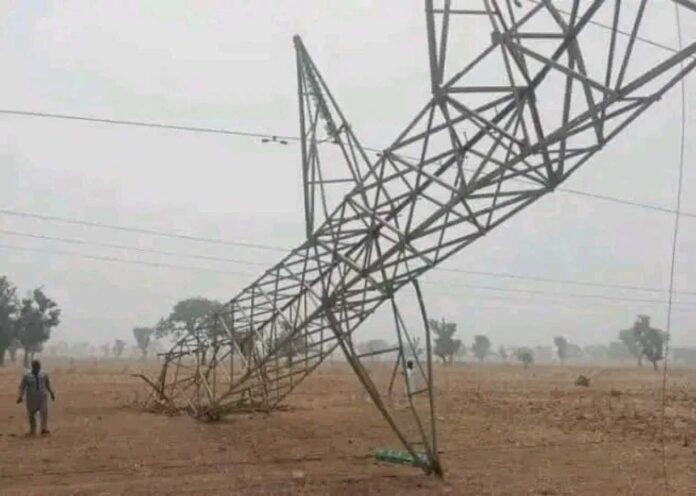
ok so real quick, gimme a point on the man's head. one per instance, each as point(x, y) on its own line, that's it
point(35, 366)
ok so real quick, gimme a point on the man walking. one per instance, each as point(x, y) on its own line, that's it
point(35, 384)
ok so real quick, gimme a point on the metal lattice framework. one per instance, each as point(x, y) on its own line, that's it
point(499, 132)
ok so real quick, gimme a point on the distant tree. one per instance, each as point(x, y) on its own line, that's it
point(630, 340)
point(561, 348)
point(597, 352)
point(445, 346)
point(142, 337)
point(652, 341)
point(525, 355)
point(8, 312)
point(119, 346)
point(186, 316)
point(502, 353)
point(644, 341)
point(481, 346)
point(38, 314)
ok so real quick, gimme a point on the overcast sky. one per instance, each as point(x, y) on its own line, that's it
point(230, 64)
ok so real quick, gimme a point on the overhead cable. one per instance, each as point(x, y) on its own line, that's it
point(502, 275)
point(437, 284)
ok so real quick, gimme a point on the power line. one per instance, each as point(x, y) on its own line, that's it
point(268, 136)
point(156, 125)
point(543, 301)
point(501, 275)
point(562, 281)
point(124, 260)
point(631, 203)
point(570, 295)
point(673, 261)
point(438, 284)
point(83, 242)
point(280, 249)
point(164, 234)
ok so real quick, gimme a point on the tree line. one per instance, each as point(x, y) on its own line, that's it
point(446, 347)
point(25, 323)
point(641, 341)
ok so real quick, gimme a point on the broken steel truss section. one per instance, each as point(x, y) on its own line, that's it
point(500, 131)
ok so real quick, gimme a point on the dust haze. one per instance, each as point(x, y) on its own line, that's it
point(231, 65)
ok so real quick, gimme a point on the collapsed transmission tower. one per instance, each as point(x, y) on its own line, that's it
point(500, 131)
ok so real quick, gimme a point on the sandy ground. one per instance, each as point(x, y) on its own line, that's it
point(503, 430)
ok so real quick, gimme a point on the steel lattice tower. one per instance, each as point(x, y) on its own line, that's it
point(500, 131)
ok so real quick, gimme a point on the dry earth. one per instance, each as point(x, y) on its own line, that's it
point(503, 430)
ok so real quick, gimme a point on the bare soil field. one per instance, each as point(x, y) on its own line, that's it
point(503, 430)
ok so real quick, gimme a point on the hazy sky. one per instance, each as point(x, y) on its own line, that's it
point(230, 64)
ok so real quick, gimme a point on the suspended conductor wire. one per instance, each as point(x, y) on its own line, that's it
point(144, 263)
point(675, 241)
point(686, 304)
point(284, 139)
point(137, 230)
point(137, 249)
point(483, 273)
point(156, 125)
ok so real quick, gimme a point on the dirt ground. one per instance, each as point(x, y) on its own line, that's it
point(503, 430)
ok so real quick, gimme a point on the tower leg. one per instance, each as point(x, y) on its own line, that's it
point(414, 423)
